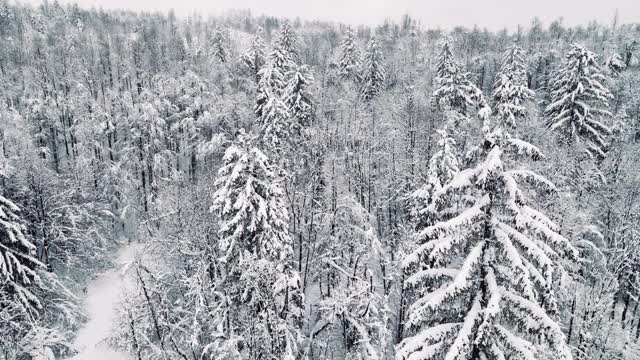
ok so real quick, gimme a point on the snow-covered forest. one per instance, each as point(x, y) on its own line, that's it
point(252, 187)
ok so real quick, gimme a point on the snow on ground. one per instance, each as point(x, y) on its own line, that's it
point(103, 295)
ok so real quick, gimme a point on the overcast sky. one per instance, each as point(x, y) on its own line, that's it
point(493, 14)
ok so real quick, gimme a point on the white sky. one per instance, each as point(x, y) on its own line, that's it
point(493, 14)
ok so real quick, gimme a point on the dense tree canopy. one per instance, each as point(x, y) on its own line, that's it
point(310, 190)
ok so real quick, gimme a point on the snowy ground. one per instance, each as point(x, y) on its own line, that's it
point(103, 295)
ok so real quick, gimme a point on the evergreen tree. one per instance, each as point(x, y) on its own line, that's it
point(256, 253)
point(254, 59)
point(274, 115)
point(511, 92)
point(288, 41)
point(219, 45)
point(442, 167)
point(350, 65)
point(284, 103)
point(454, 90)
point(250, 204)
point(272, 79)
point(446, 64)
point(374, 71)
point(18, 264)
point(579, 102)
point(297, 96)
point(485, 275)
point(276, 124)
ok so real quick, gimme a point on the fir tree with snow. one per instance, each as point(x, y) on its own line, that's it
point(350, 64)
point(297, 95)
point(272, 79)
point(453, 89)
point(374, 71)
point(219, 45)
point(289, 42)
point(511, 92)
point(18, 263)
point(442, 167)
point(255, 57)
point(580, 101)
point(485, 276)
point(250, 204)
point(276, 124)
point(256, 252)
point(446, 64)
point(284, 103)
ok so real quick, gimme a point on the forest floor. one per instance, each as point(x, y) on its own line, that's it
point(102, 298)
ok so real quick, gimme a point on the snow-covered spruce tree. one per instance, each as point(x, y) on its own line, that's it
point(261, 285)
point(511, 92)
point(284, 103)
point(442, 167)
point(446, 64)
point(276, 125)
point(272, 78)
point(273, 115)
point(219, 45)
point(18, 264)
point(297, 96)
point(374, 71)
point(289, 42)
point(579, 102)
point(255, 58)
point(454, 90)
point(350, 65)
point(485, 275)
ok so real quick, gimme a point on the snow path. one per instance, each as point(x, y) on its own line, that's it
point(103, 295)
